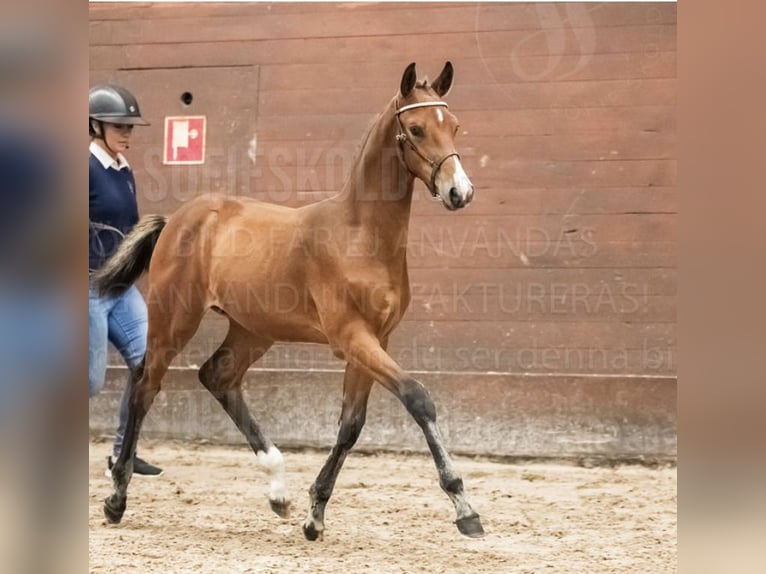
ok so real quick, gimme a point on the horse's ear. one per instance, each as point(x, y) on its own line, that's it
point(443, 83)
point(408, 80)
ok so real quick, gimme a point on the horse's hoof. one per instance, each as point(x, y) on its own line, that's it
point(311, 533)
point(470, 526)
point(281, 507)
point(113, 512)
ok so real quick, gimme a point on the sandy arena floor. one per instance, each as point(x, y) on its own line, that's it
point(209, 513)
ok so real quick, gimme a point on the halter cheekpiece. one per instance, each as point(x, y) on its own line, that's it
point(401, 137)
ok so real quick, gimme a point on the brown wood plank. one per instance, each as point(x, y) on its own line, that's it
point(547, 68)
point(514, 241)
point(280, 180)
point(510, 173)
point(345, 131)
point(159, 183)
point(560, 201)
point(420, 354)
point(576, 94)
point(155, 10)
point(598, 228)
point(540, 201)
point(499, 123)
point(507, 15)
point(577, 15)
point(534, 200)
point(473, 71)
point(417, 349)
point(401, 49)
point(575, 187)
point(499, 335)
point(521, 254)
point(566, 147)
point(615, 335)
point(526, 281)
point(647, 38)
point(551, 289)
point(188, 26)
point(282, 183)
point(276, 180)
point(504, 346)
point(557, 120)
point(476, 304)
point(554, 147)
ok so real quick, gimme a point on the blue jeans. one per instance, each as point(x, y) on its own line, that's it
point(122, 321)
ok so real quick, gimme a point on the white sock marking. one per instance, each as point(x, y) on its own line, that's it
point(274, 464)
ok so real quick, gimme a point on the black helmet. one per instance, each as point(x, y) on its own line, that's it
point(114, 105)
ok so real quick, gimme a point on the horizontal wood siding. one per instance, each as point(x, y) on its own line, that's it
point(566, 260)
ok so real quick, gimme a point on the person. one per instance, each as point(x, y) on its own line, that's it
point(120, 320)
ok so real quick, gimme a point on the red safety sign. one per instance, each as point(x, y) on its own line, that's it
point(184, 140)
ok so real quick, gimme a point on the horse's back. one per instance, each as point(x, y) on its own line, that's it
point(203, 206)
point(218, 232)
point(244, 257)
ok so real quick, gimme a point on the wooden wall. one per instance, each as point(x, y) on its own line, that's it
point(565, 263)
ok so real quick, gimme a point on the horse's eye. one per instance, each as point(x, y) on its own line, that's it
point(417, 131)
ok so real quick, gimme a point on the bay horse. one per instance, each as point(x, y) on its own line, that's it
point(333, 272)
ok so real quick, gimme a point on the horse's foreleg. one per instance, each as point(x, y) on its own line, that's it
point(417, 400)
point(222, 376)
point(356, 390)
point(365, 351)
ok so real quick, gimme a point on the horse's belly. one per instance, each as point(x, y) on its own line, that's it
point(276, 309)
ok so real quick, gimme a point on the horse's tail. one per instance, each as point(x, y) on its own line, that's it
point(131, 259)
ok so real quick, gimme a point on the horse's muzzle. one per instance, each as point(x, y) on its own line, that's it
point(457, 200)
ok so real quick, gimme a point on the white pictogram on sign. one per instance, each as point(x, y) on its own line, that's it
point(185, 140)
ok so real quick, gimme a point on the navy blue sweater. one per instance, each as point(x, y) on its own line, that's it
point(112, 202)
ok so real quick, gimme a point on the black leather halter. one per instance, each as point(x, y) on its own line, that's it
point(401, 138)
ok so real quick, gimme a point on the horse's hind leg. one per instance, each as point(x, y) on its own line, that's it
point(170, 328)
point(222, 376)
point(356, 391)
point(141, 397)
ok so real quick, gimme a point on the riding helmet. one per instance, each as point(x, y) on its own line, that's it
point(114, 105)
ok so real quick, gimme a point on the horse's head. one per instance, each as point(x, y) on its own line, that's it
point(426, 137)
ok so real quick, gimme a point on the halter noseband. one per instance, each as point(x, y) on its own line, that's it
point(401, 137)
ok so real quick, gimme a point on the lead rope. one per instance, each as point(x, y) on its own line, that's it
point(95, 225)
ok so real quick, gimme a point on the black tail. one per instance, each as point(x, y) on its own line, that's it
point(131, 259)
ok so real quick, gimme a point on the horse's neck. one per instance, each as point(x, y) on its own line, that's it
point(378, 193)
